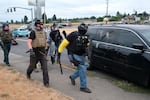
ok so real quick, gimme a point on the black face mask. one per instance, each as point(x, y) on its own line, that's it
point(82, 32)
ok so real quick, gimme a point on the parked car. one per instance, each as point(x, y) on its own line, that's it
point(122, 49)
point(20, 32)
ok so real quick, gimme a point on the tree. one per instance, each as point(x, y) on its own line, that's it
point(11, 21)
point(54, 18)
point(44, 18)
point(92, 17)
point(25, 19)
point(59, 20)
point(100, 19)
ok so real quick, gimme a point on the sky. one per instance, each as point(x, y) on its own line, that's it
point(73, 8)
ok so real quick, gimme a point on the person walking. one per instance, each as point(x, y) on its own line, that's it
point(52, 49)
point(56, 39)
point(6, 40)
point(76, 43)
point(37, 45)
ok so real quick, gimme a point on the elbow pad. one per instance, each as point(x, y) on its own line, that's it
point(63, 45)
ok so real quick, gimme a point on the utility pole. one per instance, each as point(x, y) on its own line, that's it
point(107, 2)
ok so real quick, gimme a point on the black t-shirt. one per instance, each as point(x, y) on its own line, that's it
point(32, 35)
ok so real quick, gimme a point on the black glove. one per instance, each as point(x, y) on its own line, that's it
point(32, 53)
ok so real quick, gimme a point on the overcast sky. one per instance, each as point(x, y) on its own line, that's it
point(74, 8)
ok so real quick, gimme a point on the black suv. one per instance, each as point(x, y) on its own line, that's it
point(122, 49)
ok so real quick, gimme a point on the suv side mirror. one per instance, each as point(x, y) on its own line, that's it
point(138, 46)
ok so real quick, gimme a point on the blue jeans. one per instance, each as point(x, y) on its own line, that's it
point(7, 47)
point(81, 70)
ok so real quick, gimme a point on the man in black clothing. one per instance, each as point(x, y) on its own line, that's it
point(37, 45)
point(76, 43)
point(57, 38)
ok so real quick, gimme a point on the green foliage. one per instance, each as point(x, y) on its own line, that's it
point(92, 17)
point(54, 18)
point(25, 19)
point(44, 18)
point(114, 18)
point(131, 87)
point(100, 19)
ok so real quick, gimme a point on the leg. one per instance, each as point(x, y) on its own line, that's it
point(81, 70)
point(7, 47)
point(45, 70)
point(32, 66)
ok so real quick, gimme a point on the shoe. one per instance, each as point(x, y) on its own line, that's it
point(72, 80)
point(4, 61)
point(86, 90)
point(28, 76)
point(36, 70)
point(46, 85)
point(52, 60)
point(8, 64)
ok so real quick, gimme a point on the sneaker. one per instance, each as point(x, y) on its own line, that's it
point(36, 70)
point(8, 64)
point(52, 60)
point(86, 90)
point(28, 76)
point(46, 85)
point(72, 80)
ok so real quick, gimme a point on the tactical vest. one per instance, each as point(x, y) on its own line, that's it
point(81, 44)
point(78, 43)
point(40, 39)
point(6, 36)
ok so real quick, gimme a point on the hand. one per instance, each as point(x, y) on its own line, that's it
point(32, 53)
point(46, 49)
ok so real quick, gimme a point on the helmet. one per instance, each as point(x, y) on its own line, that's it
point(82, 28)
point(37, 22)
point(5, 27)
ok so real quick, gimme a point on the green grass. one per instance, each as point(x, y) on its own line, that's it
point(131, 87)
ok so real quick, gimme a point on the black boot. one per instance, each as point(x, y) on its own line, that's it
point(52, 59)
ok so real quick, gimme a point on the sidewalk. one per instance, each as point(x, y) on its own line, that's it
point(101, 88)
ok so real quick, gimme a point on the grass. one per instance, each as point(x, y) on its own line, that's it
point(130, 87)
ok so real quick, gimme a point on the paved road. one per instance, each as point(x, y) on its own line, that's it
point(102, 88)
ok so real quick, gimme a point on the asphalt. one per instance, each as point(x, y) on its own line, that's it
point(102, 89)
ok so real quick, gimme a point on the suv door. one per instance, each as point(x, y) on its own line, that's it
point(133, 58)
point(101, 51)
point(127, 60)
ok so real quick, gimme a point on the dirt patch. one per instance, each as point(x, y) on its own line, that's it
point(15, 86)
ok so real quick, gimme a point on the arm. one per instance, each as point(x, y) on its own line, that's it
point(29, 43)
point(30, 39)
